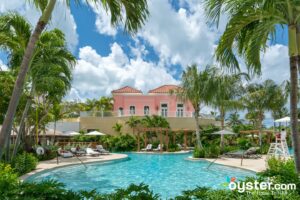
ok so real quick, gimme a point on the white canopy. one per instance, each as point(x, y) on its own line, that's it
point(223, 132)
point(285, 119)
point(71, 133)
point(95, 133)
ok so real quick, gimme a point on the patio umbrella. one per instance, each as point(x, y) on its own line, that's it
point(223, 132)
point(71, 133)
point(95, 133)
point(285, 119)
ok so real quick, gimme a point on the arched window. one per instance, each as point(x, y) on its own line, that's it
point(132, 110)
point(121, 112)
point(146, 110)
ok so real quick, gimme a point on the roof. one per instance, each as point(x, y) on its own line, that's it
point(126, 89)
point(164, 89)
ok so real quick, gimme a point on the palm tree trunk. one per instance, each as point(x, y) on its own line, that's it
point(222, 127)
point(18, 88)
point(260, 128)
point(22, 122)
point(293, 108)
point(293, 53)
point(199, 144)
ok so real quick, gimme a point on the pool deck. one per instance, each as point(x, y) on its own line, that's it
point(50, 164)
point(256, 165)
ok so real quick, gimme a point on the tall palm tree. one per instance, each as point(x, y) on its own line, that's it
point(234, 119)
point(50, 67)
point(250, 25)
point(258, 99)
point(227, 96)
point(135, 15)
point(198, 88)
point(133, 122)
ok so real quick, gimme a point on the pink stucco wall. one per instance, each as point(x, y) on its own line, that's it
point(154, 102)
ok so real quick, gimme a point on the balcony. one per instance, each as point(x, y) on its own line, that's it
point(128, 113)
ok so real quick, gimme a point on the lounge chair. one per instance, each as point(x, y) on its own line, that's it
point(179, 146)
point(100, 149)
point(148, 148)
point(91, 152)
point(77, 152)
point(159, 147)
point(249, 153)
point(64, 153)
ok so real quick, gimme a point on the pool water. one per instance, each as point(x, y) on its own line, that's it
point(167, 175)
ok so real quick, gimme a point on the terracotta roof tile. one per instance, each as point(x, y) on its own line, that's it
point(164, 89)
point(126, 89)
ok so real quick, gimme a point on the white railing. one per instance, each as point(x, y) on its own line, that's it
point(127, 113)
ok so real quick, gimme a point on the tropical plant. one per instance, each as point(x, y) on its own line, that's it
point(234, 119)
point(135, 15)
point(257, 100)
point(197, 87)
point(118, 128)
point(133, 122)
point(250, 25)
point(229, 89)
point(24, 163)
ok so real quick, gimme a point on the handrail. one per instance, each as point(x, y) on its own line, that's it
point(211, 163)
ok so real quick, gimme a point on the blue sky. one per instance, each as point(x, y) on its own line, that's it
point(175, 35)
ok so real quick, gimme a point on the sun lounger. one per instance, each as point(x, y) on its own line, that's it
point(64, 153)
point(159, 147)
point(249, 153)
point(148, 148)
point(77, 152)
point(91, 152)
point(100, 149)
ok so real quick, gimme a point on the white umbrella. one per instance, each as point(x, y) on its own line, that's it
point(95, 133)
point(223, 132)
point(71, 133)
point(285, 119)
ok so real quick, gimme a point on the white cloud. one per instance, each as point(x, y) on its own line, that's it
point(97, 75)
point(102, 22)
point(62, 17)
point(179, 36)
point(3, 67)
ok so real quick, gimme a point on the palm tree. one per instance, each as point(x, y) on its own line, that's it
point(133, 122)
point(135, 15)
point(226, 96)
point(258, 99)
point(118, 128)
point(234, 119)
point(50, 67)
point(197, 87)
point(250, 25)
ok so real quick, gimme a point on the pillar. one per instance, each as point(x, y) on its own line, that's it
point(185, 140)
point(161, 141)
point(167, 140)
point(138, 141)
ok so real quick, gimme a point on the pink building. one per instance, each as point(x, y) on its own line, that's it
point(129, 101)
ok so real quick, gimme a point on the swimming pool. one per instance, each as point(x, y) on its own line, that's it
point(167, 175)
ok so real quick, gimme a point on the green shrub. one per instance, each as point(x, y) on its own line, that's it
point(123, 143)
point(229, 149)
point(199, 153)
point(24, 163)
point(244, 143)
point(212, 151)
point(173, 148)
point(8, 181)
point(281, 171)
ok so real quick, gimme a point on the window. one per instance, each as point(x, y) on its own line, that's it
point(132, 110)
point(164, 110)
point(179, 112)
point(146, 110)
point(121, 112)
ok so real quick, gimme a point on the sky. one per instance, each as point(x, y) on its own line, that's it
point(175, 35)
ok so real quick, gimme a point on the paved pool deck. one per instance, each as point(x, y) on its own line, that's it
point(256, 165)
point(50, 164)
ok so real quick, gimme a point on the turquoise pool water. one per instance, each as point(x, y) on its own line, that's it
point(167, 175)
